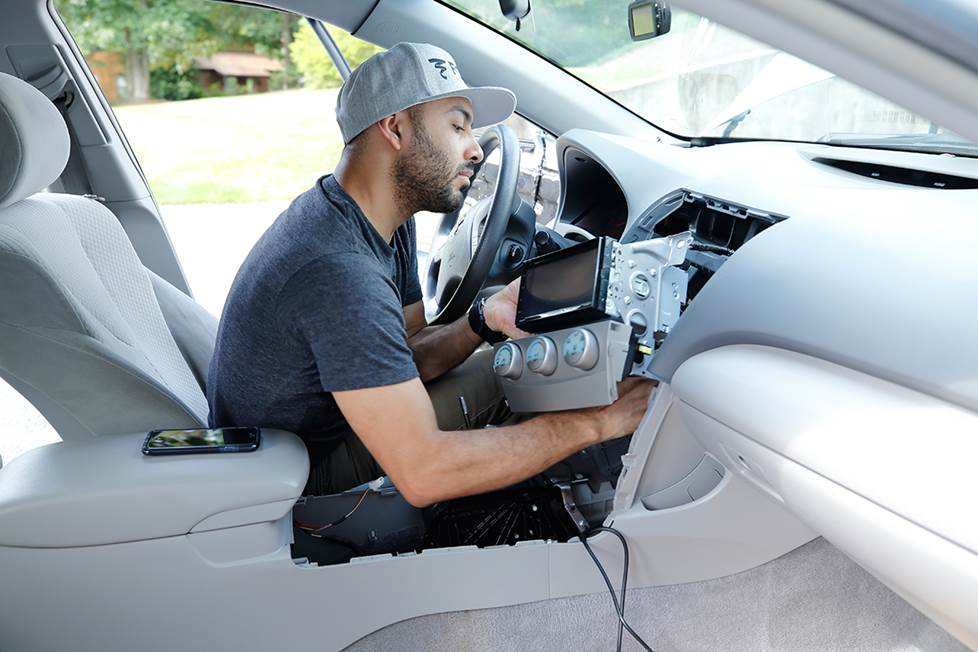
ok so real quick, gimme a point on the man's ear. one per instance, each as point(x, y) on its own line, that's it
point(393, 129)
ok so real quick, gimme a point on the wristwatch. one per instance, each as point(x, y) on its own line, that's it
point(477, 322)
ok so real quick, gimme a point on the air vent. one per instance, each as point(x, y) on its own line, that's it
point(721, 224)
point(903, 176)
point(719, 228)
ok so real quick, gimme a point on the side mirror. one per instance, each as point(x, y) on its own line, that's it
point(648, 19)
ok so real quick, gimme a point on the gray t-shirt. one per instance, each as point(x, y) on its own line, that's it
point(317, 307)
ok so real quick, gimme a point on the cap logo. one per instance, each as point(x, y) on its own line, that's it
point(442, 70)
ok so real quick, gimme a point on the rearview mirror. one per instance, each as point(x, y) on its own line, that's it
point(515, 10)
point(648, 19)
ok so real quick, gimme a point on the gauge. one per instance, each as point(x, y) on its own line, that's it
point(541, 356)
point(581, 349)
point(508, 362)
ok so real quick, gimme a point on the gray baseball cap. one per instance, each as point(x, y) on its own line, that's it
point(409, 74)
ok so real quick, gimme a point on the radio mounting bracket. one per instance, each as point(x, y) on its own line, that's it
point(646, 289)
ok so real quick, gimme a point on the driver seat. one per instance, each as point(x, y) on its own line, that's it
point(98, 343)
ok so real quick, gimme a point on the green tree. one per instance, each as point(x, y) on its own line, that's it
point(168, 34)
point(269, 31)
point(168, 84)
point(313, 62)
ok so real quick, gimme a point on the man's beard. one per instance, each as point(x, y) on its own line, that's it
point(423, 177)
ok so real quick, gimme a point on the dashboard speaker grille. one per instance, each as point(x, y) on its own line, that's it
point(901, 175)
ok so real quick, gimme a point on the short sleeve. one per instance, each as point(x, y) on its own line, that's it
point(348, 312)
point(411, 290)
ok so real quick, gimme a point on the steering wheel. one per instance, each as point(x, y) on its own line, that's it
point(465, 259)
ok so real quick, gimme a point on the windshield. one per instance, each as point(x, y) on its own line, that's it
point(704, 80)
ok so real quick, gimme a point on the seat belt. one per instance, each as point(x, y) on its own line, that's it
point(58, 87)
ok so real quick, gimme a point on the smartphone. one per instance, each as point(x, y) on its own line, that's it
point(212, 440)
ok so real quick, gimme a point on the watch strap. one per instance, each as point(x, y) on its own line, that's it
point(477, 322)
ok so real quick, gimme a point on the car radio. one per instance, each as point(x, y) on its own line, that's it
point(566, 287)
point(598, 310)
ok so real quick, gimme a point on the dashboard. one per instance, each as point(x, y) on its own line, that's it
point(823, 351)
point(791, 248)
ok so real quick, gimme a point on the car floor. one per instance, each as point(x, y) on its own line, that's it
point(813, 598)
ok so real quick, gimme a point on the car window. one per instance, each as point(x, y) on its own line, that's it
point(703, 80)
point(538, 182)
point(538, 185)
point(229, 112)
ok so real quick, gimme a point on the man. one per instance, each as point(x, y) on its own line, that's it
point(324, 334)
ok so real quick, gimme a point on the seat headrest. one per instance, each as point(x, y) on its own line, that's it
point(34, 141)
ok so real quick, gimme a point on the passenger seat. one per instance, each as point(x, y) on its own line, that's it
point(98, 343)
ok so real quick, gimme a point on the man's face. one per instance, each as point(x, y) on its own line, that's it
point(435, 168)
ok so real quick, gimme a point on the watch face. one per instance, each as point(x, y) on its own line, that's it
point(482, 315)
point(481, 328)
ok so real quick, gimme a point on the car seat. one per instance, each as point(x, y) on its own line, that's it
point(94, 340)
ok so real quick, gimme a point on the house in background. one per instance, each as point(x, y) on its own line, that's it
point(110, 71)
point(236, 70)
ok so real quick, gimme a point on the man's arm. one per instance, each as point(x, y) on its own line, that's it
point(438, 349)
point(429, 465)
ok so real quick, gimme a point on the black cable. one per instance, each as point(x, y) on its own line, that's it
point(356, 550)
point(711, 248)
point(619, 606)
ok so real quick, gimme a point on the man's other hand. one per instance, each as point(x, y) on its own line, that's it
point(500, 311)
point(623, 416)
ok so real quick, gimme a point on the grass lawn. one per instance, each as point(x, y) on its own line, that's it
point(246, 148)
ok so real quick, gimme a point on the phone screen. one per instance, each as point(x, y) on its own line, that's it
point(200, 440)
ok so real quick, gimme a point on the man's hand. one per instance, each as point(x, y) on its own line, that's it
point(500, 311)
point(623, 416)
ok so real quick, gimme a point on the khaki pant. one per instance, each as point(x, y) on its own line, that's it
point(349, 463)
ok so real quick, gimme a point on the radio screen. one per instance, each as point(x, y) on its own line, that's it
point(567, 283)
point(562, 284)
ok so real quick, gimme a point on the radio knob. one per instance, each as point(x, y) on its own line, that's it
point(581, 349)
point(541, 356)
point(508, 362)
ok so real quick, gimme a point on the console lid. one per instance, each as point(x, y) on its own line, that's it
point(84, 493)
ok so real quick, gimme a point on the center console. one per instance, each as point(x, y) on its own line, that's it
point(106, 491)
